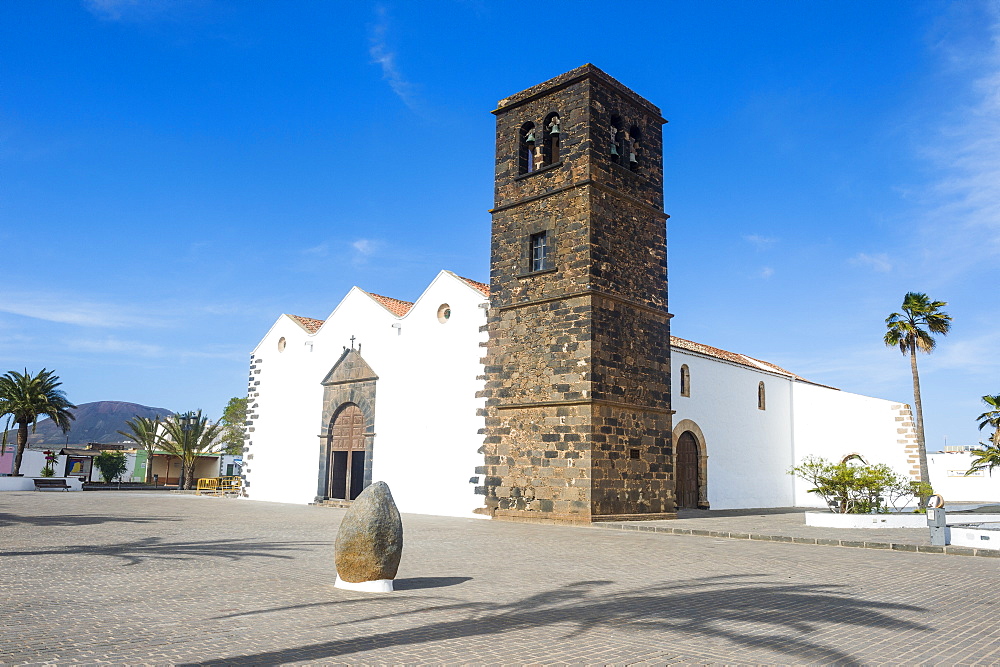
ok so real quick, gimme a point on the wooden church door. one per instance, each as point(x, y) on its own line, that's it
point(347, 453)
point(687, 471)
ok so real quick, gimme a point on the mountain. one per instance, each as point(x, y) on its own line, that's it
point(99, 421)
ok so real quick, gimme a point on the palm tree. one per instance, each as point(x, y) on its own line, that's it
point(189, 441)
point(23, 399)
point(145, 432)
point(988, 457)
point(991, 418)
point(906, 331)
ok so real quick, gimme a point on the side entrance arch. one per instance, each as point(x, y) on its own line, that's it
point(690, 465)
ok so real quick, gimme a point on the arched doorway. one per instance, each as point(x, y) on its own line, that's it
point(346, 447)
point(687, 470)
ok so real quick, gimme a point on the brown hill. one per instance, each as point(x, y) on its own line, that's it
point(99, 421)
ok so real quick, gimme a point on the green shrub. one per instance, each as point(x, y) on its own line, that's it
point(111, 464)
point(855, 487)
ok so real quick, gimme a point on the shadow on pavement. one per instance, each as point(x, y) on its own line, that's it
point(156, 548)
point(77, 519)
point(784, 618)
point(414, 583)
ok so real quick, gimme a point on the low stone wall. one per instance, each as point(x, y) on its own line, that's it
point(28, 484)
point(907, 520)
point(832, 520)
point(974, 536)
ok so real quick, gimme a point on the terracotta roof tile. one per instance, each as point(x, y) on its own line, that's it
point(394, 306)
point(483, 288)
point(308, 323)
point(734, 357)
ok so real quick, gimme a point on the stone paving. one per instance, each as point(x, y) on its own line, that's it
point(146, 578)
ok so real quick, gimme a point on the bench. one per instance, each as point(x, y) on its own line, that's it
point(50, 483)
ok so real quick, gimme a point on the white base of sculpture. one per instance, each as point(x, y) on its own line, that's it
point(378, 586)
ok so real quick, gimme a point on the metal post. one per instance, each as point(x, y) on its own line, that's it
point(937, 523)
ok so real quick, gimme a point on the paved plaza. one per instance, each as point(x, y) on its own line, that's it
point(144, 578)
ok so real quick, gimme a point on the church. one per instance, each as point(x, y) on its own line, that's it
point(556, 392)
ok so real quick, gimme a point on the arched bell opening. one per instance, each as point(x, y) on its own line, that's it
point(552, 127)
point(526, 150)
point(633, 147)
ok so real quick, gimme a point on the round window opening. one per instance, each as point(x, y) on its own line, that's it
point(444, 313)
point(281, 344)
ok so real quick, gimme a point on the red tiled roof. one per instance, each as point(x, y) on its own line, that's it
point(394, 306)
point(481, 287)
point(733, 357)
point(308, 323)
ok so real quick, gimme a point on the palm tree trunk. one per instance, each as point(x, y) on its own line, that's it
point(918, 420)
point(149, 467)
point(22, 442)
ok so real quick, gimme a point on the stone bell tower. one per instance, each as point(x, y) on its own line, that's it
point(578, 418)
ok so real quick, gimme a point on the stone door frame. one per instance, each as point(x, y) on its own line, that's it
point(690, 426)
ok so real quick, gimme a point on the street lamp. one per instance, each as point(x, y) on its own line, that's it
point(187, 422)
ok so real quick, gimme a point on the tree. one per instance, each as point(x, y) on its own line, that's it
point(146, 433)
point(188, 441)
point(856, 487)
point(111, 464)
point(991, 418)
point(233, 421)
point(910, 331)
point(23, 399)
point(988, 457)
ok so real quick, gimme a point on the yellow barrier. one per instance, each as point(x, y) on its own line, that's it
point(207, 486)
point(219, 486)
point(229, 485)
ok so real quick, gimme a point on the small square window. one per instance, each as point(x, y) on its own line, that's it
point(540, 251)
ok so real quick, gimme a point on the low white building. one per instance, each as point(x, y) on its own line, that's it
point(385, 389)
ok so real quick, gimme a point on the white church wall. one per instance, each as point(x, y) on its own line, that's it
point(286, 442)
point(426, 426)
point(832, 424)
point(947, 471)
point(748, 448)
point(427, 442)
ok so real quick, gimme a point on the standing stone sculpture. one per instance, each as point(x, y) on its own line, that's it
point(369, 542)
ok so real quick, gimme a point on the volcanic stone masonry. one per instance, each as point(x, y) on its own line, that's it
point(578, 418)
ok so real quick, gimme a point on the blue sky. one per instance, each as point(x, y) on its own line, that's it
point(174, 174)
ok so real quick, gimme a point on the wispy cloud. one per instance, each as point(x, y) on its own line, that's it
point(362, 250)
point(116, 346)
point(877, 262)
point(962, 224)
point(974, 355)
point(760, 242)
point(766, 272)
point(385, 57)
point(321, 250)
point(69, 310)
point(130, 10)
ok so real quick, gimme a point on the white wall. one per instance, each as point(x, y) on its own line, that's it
point(947, 472)
point(832, 424)
point(33, 460)
point(426, 425)
point(749, 449)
